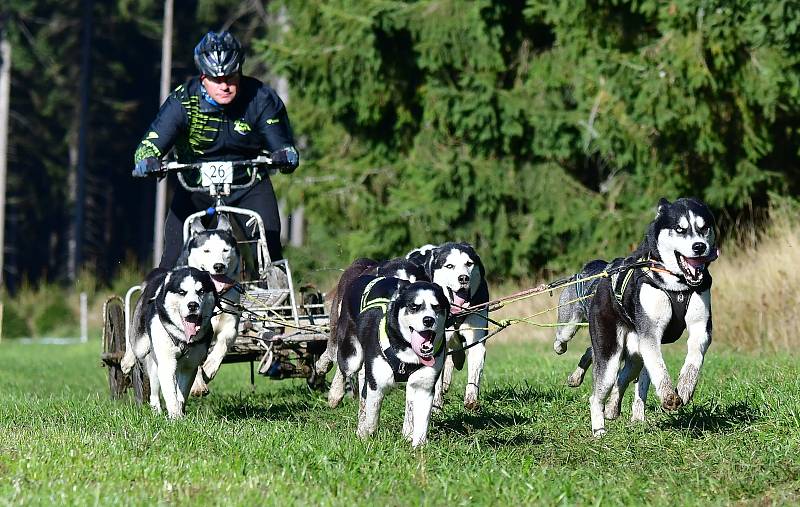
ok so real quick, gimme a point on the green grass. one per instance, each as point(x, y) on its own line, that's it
point(63, 441)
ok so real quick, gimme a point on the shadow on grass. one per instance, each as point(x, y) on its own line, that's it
point(698, 420)
point(528, 394)
point(499, 422)
point(492, 428)
point(281, 411)
point(290, 405)
point(516, 440)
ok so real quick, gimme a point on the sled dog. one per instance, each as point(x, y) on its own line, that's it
point(171, 333)
point(389, 332)
point(634, 311)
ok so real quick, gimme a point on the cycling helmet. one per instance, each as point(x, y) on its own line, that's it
point(218, 54)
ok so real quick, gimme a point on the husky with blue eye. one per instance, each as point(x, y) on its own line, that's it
point(634, 311)
point(171, 333)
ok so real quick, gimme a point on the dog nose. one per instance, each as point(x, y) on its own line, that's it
point(699, 248)
point(193, 306)
point(219, 267)
point(428, 321)
point(463, 279)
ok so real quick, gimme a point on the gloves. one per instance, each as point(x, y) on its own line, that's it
point(287, 159)
point(145, 166)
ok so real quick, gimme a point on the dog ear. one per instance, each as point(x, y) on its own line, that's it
point(402, 285)
point(224, 223)
point(662, 203)
point(161, 286)
point(196, 227)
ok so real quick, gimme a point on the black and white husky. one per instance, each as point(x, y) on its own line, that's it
point(216, 251)
point(171, 333)
point(459, 271)
point(636, 310)
point(393, 268)
point(391, 331)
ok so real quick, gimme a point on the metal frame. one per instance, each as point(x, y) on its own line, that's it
point(272, 339)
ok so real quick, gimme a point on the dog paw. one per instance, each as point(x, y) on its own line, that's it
point(559, 347)
point(598, 433)
point(323, 365)
point(199, 393)
point(199, 387)
point(576, 379)
point(685, 393)
point(175, 414)
point(471, 403)
point(127, 363)
point(671, 402)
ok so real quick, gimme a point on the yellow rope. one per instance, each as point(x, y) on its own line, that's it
point(541, 289)
point(280, 320)
point(527, 320)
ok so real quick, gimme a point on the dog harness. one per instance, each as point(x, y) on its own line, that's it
point(400, 369)
point(679, 300)
point(184, 347)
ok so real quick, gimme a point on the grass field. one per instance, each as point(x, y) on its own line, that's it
point(63, 441)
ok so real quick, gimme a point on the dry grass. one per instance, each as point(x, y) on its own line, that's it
point(755, 291)
point(755, 296)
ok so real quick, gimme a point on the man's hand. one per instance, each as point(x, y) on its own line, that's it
point(145, 166)
point(287, 159)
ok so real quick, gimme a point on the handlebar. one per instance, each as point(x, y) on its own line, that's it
point(214, 185)
point(260, 161)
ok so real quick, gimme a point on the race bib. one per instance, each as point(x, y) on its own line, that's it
point(216, 173)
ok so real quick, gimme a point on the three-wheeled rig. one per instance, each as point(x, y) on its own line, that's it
point(282, 331)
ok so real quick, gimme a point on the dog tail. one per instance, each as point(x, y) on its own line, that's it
point(338, 311)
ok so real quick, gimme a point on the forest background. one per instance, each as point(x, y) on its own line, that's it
point(542, 132)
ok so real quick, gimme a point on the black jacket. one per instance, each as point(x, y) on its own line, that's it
point(255, 121)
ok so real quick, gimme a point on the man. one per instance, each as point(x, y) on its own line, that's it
point(220, 116)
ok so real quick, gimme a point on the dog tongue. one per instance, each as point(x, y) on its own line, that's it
point(222, 283)
point(459, 305)
point(191, 324)
point(417, 341)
